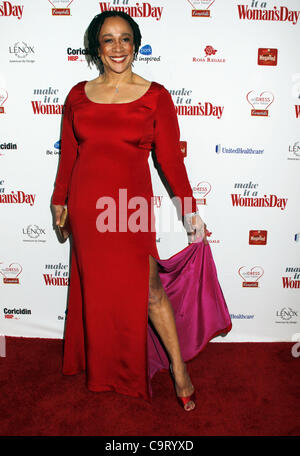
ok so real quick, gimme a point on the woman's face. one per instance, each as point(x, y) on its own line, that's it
point(116, 47)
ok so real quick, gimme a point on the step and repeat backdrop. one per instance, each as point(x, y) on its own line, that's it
point(233, 70)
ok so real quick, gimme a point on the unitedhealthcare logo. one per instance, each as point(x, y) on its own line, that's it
point(238, 150)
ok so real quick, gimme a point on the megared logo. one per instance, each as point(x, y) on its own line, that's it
point(297, 110)
point(61, 11)
point(267, 56)
point(257, 237)
point(260, 102)
point(201, 7)
point(202, 189)
point(250, 276)
point(139, 10)
point(3, 98)
point(8, 9)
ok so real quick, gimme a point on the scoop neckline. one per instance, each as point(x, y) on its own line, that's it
point(112, 104)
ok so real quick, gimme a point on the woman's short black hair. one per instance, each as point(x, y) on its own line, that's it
point(94, 30)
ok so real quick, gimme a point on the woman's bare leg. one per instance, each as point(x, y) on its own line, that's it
point(161, 314)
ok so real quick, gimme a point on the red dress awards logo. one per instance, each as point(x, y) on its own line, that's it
point(251, 276)
point(257, 237)
point(202, 189)
point(61, 11)
point(201, 7)
point(260, 102)
point(8, 9)
point(11, 273)
point(3, 98)
point(138, 10)
point(267, 56)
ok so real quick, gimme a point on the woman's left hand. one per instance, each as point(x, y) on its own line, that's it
point(196, 228)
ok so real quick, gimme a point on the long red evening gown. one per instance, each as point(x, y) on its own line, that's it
point(105, 147)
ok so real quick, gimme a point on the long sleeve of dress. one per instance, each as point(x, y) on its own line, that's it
point(168, 152)
point(68, 154)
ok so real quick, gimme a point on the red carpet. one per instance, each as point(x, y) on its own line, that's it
point(244, 389)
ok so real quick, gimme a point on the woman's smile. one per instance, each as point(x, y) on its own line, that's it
point(118, 59)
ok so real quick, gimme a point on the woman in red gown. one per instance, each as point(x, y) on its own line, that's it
point(110, 125)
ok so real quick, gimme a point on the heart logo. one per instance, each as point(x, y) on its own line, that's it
point(201, 3)
point(14, 269)
point(260, 101)
point(203, 188)
point(251, 275)
point(3, 96)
